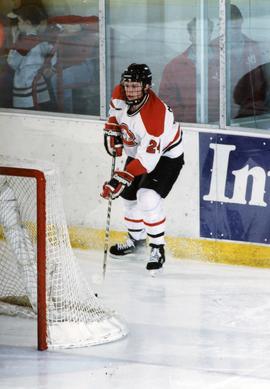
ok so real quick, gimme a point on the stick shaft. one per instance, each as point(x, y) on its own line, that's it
point(108, 222)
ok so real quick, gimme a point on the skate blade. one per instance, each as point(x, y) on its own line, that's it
point(121, 257)
point(128, 256)
point(155, 272)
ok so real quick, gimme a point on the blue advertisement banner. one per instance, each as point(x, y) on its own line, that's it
point(235, 188)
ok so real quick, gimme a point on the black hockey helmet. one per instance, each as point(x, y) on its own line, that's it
point(138, 73)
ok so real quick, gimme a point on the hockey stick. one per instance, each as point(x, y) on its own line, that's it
point(108, 221)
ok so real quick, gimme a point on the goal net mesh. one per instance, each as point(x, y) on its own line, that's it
point(74, 316)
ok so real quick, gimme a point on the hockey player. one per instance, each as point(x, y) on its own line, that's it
point(141, 124)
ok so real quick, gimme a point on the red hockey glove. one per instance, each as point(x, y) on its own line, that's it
point(120, 180)
point(113, 140)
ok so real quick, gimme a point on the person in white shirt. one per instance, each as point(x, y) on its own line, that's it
point(26, 58)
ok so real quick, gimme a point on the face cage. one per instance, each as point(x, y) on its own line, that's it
point(138, 100)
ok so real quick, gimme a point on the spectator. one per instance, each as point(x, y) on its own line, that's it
point(16, 5)
point(247, 78)
point(27, 57)
point(178, 84)
point(77, 57)
point(251, 93)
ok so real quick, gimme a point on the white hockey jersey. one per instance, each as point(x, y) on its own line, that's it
point(26, 59)
point(147, 134)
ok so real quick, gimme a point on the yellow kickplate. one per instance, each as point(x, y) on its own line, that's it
point(234, 253)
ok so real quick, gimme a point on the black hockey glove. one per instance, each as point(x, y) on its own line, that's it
point(113, 140)
point(120, 180)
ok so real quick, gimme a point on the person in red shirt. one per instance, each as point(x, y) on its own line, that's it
point(178, 83)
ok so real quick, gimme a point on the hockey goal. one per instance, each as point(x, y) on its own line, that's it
point(39, 274)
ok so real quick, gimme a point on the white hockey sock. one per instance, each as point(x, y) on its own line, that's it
point(133, 220)
point(151, 206)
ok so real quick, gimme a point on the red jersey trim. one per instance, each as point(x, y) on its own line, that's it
point(112, 124)
point(112, 120)
point(118, 93)
point(153, 115)
point(135, 168)
point(177, 136)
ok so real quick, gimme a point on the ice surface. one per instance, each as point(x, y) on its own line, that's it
point(196, 326)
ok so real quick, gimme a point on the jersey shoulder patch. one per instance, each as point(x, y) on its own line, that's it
point(153, 115)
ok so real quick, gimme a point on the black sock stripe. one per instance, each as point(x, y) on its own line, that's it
point(133, 230)
point(157, 235)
